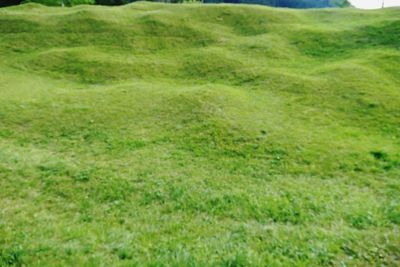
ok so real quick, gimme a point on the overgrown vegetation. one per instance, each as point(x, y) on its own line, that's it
point(199, 135)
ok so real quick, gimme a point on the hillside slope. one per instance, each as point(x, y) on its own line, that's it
point(192, 135)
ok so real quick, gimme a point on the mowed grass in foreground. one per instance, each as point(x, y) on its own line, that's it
point(199, 135)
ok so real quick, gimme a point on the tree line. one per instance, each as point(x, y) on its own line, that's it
point(288, 3)
point(276, 3)
point(4, 3)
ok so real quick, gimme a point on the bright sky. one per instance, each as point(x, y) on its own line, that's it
point(374, 3)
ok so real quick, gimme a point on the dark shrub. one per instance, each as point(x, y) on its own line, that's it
point(112, 2)
point(4, 3)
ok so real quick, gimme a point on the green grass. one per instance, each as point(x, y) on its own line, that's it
point(192, 135)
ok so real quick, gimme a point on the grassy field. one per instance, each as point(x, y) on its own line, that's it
point(192, 135)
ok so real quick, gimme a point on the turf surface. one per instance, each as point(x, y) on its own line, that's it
point(199, 135)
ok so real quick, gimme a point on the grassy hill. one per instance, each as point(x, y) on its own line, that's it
point(193, 135)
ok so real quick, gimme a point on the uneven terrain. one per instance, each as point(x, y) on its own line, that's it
point(199, 135)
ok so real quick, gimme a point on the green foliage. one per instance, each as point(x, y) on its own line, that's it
point(340, 3)
point(60, 2)
point(199, 135)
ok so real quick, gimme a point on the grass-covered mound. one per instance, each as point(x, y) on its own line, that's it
point(192, 135)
